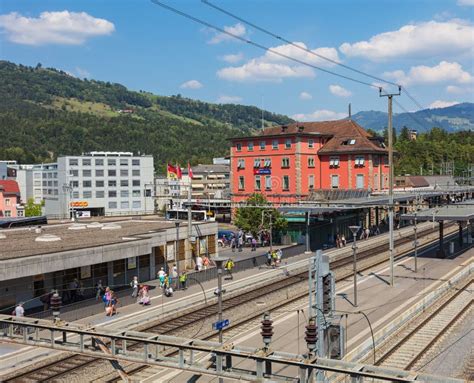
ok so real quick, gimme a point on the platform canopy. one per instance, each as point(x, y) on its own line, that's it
point(463, 211)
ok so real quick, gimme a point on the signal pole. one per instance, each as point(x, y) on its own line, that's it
point(390, 177)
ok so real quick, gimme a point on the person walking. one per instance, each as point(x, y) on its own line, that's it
point(173, 278)
point(269, 258)
point(254, 244)
point(161, 276)
point(229, 265)
point(198, 263)
point(240, 244)
point(182, 280)
point(19, 310)
point(343, 240)
point(99, 289)
point(233, 244)
point(367, 233)
point(73, 288)
point(134, 285)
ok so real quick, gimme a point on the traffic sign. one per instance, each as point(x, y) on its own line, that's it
point(219, 325)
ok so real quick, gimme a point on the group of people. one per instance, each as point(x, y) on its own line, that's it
point(274, 257)
point(340, 240)
point(110, 302)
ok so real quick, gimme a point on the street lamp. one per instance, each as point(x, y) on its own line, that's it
point(354, 229)
point(176, 249)
point(219, 261)
point(416, 246)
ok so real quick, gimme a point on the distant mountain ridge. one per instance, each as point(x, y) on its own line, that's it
point(452, 118)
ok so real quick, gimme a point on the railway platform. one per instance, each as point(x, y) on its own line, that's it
point(133, 316)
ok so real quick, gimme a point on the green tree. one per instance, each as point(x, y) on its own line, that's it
point(33, 209)
point(253, 219)
point(404, 134)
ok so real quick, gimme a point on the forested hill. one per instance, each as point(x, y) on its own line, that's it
point(46, 112)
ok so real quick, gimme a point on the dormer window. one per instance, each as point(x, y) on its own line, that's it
point(360, 161)
point(351, 141)
point(334, 162)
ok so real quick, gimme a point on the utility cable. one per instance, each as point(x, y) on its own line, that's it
point(260, 46)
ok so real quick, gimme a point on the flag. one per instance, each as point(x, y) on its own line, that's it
point(190, 171)
point(179, 173)
point(172, 172)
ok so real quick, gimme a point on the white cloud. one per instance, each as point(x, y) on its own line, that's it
point(191, 84)
point(82, 73)
point(237, 30)
point(425, 39)
point(339, 91)
point(442, 104)
point(305, 96)
point(466, 3)
point(233, 58)
point(67, 28)
point(422, 74)
point(224, 99)
point(272, 67)
point(319, 115)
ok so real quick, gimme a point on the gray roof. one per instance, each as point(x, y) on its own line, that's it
point(463, 211)
point(204, 168)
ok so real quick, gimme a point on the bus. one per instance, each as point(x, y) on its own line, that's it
point(196, 215)
point(6, 223)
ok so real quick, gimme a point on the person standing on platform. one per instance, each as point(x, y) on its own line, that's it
point(229, 265)
point(134, 285)
point(19, 310)
point(161, 276)
point(254, 244)
point(182, 280)
point(233, 244)
point(343, 240)
point(240, 243)
point(99, 289)
point(198, 263)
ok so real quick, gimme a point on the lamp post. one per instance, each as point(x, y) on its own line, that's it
point(176, 250)
point(354, 229)
point(219, 261)
point(271, 226)
point(308, 249)
point(416, 246)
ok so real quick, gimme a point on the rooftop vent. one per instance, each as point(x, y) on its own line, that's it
point(111, 226)
point(47, 238)
point(3, 236)
point(94, 225)
point(129, 238)
point(77, 226)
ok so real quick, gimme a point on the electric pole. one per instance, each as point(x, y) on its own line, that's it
point(390, 176)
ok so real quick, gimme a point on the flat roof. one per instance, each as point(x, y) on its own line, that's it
point(20, 242)
point(463, 211)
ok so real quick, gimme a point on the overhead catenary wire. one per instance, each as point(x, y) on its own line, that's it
point(260, 46)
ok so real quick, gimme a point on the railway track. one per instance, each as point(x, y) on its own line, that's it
point(418, 337)
point(59, 369)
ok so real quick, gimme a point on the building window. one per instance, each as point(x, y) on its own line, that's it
point(334, 162)
point(275, 144)
point(86, 162)
point(73, 162)
point(74, 173)
point(37, 175)
point(136, 205)
point(112, 183)
point(285, 162)
point(267, 163)
point(136, 162)
point(268, 182)
point(135, 182)
point(99, 162)
point(75, 195)
point(99, 194)
point(311, 182)
point(359, 161)
point(241, 183)
point(87, 184)
point(87, 194)
point(37, 183)
point(55, 183)
point(286, 182)
point(257, 183)
point(112, 205)
point(136, 193)
point(256, 163)
point(99, 184)
point(124, 205)
point(7, 201)
point(360, 181)
point(112, 172)
point(385, 160)
point(124, 162)
point(123, 183)
point(375, 161)
point(311, 143)
point(310, 162)
point(112, 193)
point(8, 213)
point(262, 145)
point(238, 146)
point(136, 172)
point(111, 162)
point(240, 163)
point(124, 193)
point(334, 181)
point(288, 143)
point(250, 146)
point(99, 172)
point(123, 172)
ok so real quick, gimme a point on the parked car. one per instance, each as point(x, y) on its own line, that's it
point(224, 237)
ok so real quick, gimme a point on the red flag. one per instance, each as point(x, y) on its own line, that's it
point(172, 171)
point(190, 171)
point(179, 173)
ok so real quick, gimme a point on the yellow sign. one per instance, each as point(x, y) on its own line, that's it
point(79, 204)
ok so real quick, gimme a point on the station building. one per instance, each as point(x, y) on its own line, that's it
point(34, 261)
point(287, 163)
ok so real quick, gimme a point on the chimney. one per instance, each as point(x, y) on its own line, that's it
point(350, 112)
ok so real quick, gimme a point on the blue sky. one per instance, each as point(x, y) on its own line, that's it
point(426, 46)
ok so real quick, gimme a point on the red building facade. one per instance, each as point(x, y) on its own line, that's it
point(286, 163)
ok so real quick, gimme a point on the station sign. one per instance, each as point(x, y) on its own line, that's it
point(79, 204)
point(262, 171)
point(219, 325)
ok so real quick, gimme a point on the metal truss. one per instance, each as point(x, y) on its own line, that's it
point(190, 354)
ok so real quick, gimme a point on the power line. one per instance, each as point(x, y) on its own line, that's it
point(260, 46)
point(409, 114)
point(266, 31)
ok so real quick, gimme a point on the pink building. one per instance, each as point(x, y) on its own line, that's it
point(9, 198)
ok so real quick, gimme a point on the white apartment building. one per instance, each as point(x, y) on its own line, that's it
point(101, 183)
point(36, 181)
